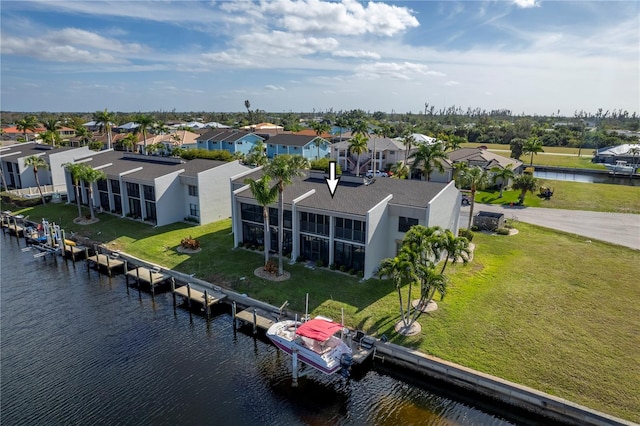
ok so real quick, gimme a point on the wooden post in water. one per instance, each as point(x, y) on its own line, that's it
point(189, 295)
point(255, 321)
point(126, 276)
point(206, 303)
point(153, 292)
point(108, 267)
point(294, 368)
point(173, 291)
point(86, 256)
point(233, 313)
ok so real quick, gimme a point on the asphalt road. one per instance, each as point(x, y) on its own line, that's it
point(617, 228)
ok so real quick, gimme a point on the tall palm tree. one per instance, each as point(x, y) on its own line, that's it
point(458, 169)
point(83, 134)
point(430, 156)
point(400, 170)
point(504, 174)
point(399, 270)
point(264, 195)
point(634, 151)
point(27, 123)
point(474, 178)
point(76, 171)
point(37, 163)
point(90, 175)
point(525, 183)
point(51, 124)
point(283, 168)
point(257, 155)
point(408, 141)
point(342, 124)
point(144, 121)
point(247, 105)
point(358, 146)
point(106, 119)
point(129, 142)
point(319, 128)
point(532, 146)
point(453, 247)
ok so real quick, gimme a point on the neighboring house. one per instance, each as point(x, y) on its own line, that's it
point(96, 126)
point(160, 190)
point(66, 132)
point(296, 144)
point(216, 125)
point(262, 126)
point(18, 176)
point(13, 133)
point(176, 139)
point(476, 157)
point(611, 154)
point(363, 223)
point(234, 141)
point(387, 153)
point(129, 127)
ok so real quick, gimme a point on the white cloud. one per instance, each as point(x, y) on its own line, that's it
point(273, 87)
point(526, 3)
point(452, 83)
point(392, 70)
point(226, 58)
point(355, 54)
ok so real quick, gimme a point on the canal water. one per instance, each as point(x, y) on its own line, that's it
point(587, 177)
point(77, 348)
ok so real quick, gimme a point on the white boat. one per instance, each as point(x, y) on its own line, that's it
point(621, 167)
point(315, 342)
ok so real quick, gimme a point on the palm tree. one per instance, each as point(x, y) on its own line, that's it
point(51, 124)
point(504, 174)
point(83, 134)
point(129, 142)
point(430, 156)
point(247, 105)
point(525, 183)
point(399, 270)
point(36, 162)
point(76, 171)
point(634, 151)
point(532, 146)
point(358, 146)
point(453, 247)
point(400, 170)
point(105, 118)
point(458, 169)
point(408, 141)
point(474, 178)
point(90, 175)
point(342, 124)
point(257, 155)
point(283, 168)
point(27, 123)
point(319, 128)
point(264, 195)
point(144, 121)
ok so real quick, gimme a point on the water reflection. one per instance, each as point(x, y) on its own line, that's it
point(587, 177)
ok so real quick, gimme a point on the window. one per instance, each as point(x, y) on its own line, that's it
point(149, 192)
point(133, 190)
point(193, 190)
point(194, 210)
point(115, 186)
point(404, 223)
point(349, 255)
point(102, 185)
point(314, 223)
point(251, 213)
point(273, 218)
point(349, 229)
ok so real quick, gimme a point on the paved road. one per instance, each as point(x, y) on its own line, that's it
point(617, 228)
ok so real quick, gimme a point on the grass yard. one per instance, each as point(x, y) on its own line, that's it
point(574, 196)
point(541, 308)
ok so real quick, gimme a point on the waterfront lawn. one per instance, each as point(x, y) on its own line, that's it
point(574, 196)
point(541, 308)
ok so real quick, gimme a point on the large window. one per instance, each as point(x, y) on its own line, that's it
point(350, 256)
point(252, 234)
point(102, 185)
point(193, 190)
point(150, 207)
point(251, 212)
point(314, 248)
point(194, 210)
point(404, 223)
point(149, 192)
point(273, 218)
point(133, 190)
point(115, 186)
point(349, 229)
point(314, 223)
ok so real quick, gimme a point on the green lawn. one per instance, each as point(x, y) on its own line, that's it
point(574, 196)
point(541, 308)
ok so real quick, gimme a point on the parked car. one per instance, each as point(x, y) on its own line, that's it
point(377, 174)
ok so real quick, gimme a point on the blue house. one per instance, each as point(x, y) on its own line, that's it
point(295, 144)
point(233, 141)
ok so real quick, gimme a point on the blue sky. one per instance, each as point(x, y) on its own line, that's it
point(529, 56)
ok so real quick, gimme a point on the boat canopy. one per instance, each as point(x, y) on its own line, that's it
point(318, 329)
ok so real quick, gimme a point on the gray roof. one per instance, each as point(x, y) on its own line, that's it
point(289, 139)
point(27, 149)
point(356, 198)
point(152, 166)
point(477, 155)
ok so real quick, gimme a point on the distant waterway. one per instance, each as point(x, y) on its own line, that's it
point(587, 177)
point(78, 349)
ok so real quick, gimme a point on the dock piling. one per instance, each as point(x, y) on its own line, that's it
point(233, 313)
point(173, 291)
point(189, 295)
point(294, 368)
point(153, 287)
point(255, 321)
point(206, 304)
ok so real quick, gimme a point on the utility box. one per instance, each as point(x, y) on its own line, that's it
point(488, 221)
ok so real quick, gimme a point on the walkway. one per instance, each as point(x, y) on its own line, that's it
point(617, 228)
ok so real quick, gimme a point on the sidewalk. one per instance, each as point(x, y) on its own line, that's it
point(617, 228)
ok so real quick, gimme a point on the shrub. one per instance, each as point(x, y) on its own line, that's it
point(323, 165)
point(502, 231)
point(343, 268)
point(241, 244)
point(190, 243)
point(333, 267)
point(271, 267)
point(466, 233)
point(260, 248)
point(352, 271)
point(319, 263)
point(360, 274)
point(300, 259)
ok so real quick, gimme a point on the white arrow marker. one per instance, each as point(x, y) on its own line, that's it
point(332, 182)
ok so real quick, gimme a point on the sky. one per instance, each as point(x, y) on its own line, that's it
point(528, 56)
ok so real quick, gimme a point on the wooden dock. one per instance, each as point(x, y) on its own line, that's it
point(256, 317)
point(107, 262)
point(74, 252)
point(192, 295)
point(146, 276)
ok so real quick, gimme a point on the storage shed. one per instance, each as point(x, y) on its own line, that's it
point(488, 220)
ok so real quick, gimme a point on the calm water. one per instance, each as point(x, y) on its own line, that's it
point(587, 178)
point(77, 349)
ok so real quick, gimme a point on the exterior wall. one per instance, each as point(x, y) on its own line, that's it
point(395, 212)
point(213, 191)
point(445, 177)
point(444, 209)
point(168, 191)
point(56, 160)
point(310, 150)
point(377, 243)
point(27, 177)
point(274, 150)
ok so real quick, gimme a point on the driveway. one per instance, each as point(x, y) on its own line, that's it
point(617, 228)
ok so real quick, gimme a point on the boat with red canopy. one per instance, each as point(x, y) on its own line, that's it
point(315, 341)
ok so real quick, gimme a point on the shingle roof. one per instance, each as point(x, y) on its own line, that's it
point(290, 139)
point(482, 156)
point(356, 198)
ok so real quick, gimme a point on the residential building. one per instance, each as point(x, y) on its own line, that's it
point(626, 152)
point(298, 144)
point(475, 157)
point(387, 153)
point(361, 224)
point(234, 141)
point(160, 190)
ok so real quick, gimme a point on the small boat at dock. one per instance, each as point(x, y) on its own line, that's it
point(621, 167)
point(315, 341)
